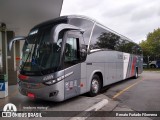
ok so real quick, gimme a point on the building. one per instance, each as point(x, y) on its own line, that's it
point(17, 17)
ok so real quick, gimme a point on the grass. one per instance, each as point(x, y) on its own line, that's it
point(151, 69)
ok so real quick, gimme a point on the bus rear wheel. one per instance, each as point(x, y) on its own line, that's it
point(95, 86)
point(136, 74)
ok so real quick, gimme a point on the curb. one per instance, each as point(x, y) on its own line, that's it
point(95, 107)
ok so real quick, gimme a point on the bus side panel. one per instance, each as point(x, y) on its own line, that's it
point(95, 63)
point(72, 81)
point(130, 64)
point(126, 65)
point(110, 67)
point(140, 64)
point(119, 66)
point(129, 68)
point(83, 82)
point(133, 65)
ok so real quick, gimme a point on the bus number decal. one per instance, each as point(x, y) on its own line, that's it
point(2, 86)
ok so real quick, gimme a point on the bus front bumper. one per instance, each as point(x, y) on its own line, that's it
point(53, 92)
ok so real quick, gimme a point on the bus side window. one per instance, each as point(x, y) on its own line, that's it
point(71, 54)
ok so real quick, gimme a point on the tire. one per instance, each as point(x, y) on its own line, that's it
point(95, 86)
point(136, 74)
point(153, 66)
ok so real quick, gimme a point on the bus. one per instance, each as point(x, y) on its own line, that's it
point(72, 55)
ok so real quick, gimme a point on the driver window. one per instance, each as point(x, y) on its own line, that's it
point(71, 51)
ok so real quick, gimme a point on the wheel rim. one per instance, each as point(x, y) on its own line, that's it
point(95, 86)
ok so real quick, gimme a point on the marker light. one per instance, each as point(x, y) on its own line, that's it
point(31, 95)
point(22, 77)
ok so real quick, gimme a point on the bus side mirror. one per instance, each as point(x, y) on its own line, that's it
point(15, 39)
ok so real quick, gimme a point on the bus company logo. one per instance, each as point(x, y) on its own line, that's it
point(8, 110)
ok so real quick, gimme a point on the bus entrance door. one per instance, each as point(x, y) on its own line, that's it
point(72, 64)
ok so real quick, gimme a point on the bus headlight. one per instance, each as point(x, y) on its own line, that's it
point(53, 81)
point(50, 82)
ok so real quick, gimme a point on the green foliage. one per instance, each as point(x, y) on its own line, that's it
point(151, 46)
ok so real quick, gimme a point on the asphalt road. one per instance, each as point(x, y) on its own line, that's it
point(142, 94)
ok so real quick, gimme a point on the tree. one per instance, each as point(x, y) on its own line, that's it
point(151, 46)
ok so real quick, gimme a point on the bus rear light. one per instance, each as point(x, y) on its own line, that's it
point(31, 95)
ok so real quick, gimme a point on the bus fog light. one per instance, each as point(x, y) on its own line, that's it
point(53, 93)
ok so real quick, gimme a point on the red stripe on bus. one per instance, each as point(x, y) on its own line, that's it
point(133, 66)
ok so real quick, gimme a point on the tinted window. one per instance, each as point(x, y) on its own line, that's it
point(134, 49)
point(84, 24)
point(103, 39)
point(120, 45)
point(71, 54)
point(129, 47)
point(139, 50)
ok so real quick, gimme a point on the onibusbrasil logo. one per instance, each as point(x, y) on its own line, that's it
point(10, 110)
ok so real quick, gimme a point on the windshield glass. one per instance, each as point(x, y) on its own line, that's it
point(39, 53)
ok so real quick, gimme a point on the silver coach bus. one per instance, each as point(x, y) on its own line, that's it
point(72, 55)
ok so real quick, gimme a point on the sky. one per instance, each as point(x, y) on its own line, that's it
point(131, 18)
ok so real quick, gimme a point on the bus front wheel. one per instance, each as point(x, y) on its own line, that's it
point(95, 86)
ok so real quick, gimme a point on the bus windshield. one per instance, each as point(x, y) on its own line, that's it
point(39, 53)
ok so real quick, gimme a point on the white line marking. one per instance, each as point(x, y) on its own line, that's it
point(95, 107)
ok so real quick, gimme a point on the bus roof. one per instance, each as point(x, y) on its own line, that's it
point(98, 23)
point(64, 19)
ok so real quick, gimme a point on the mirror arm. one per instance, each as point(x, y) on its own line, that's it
point(18, 38)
